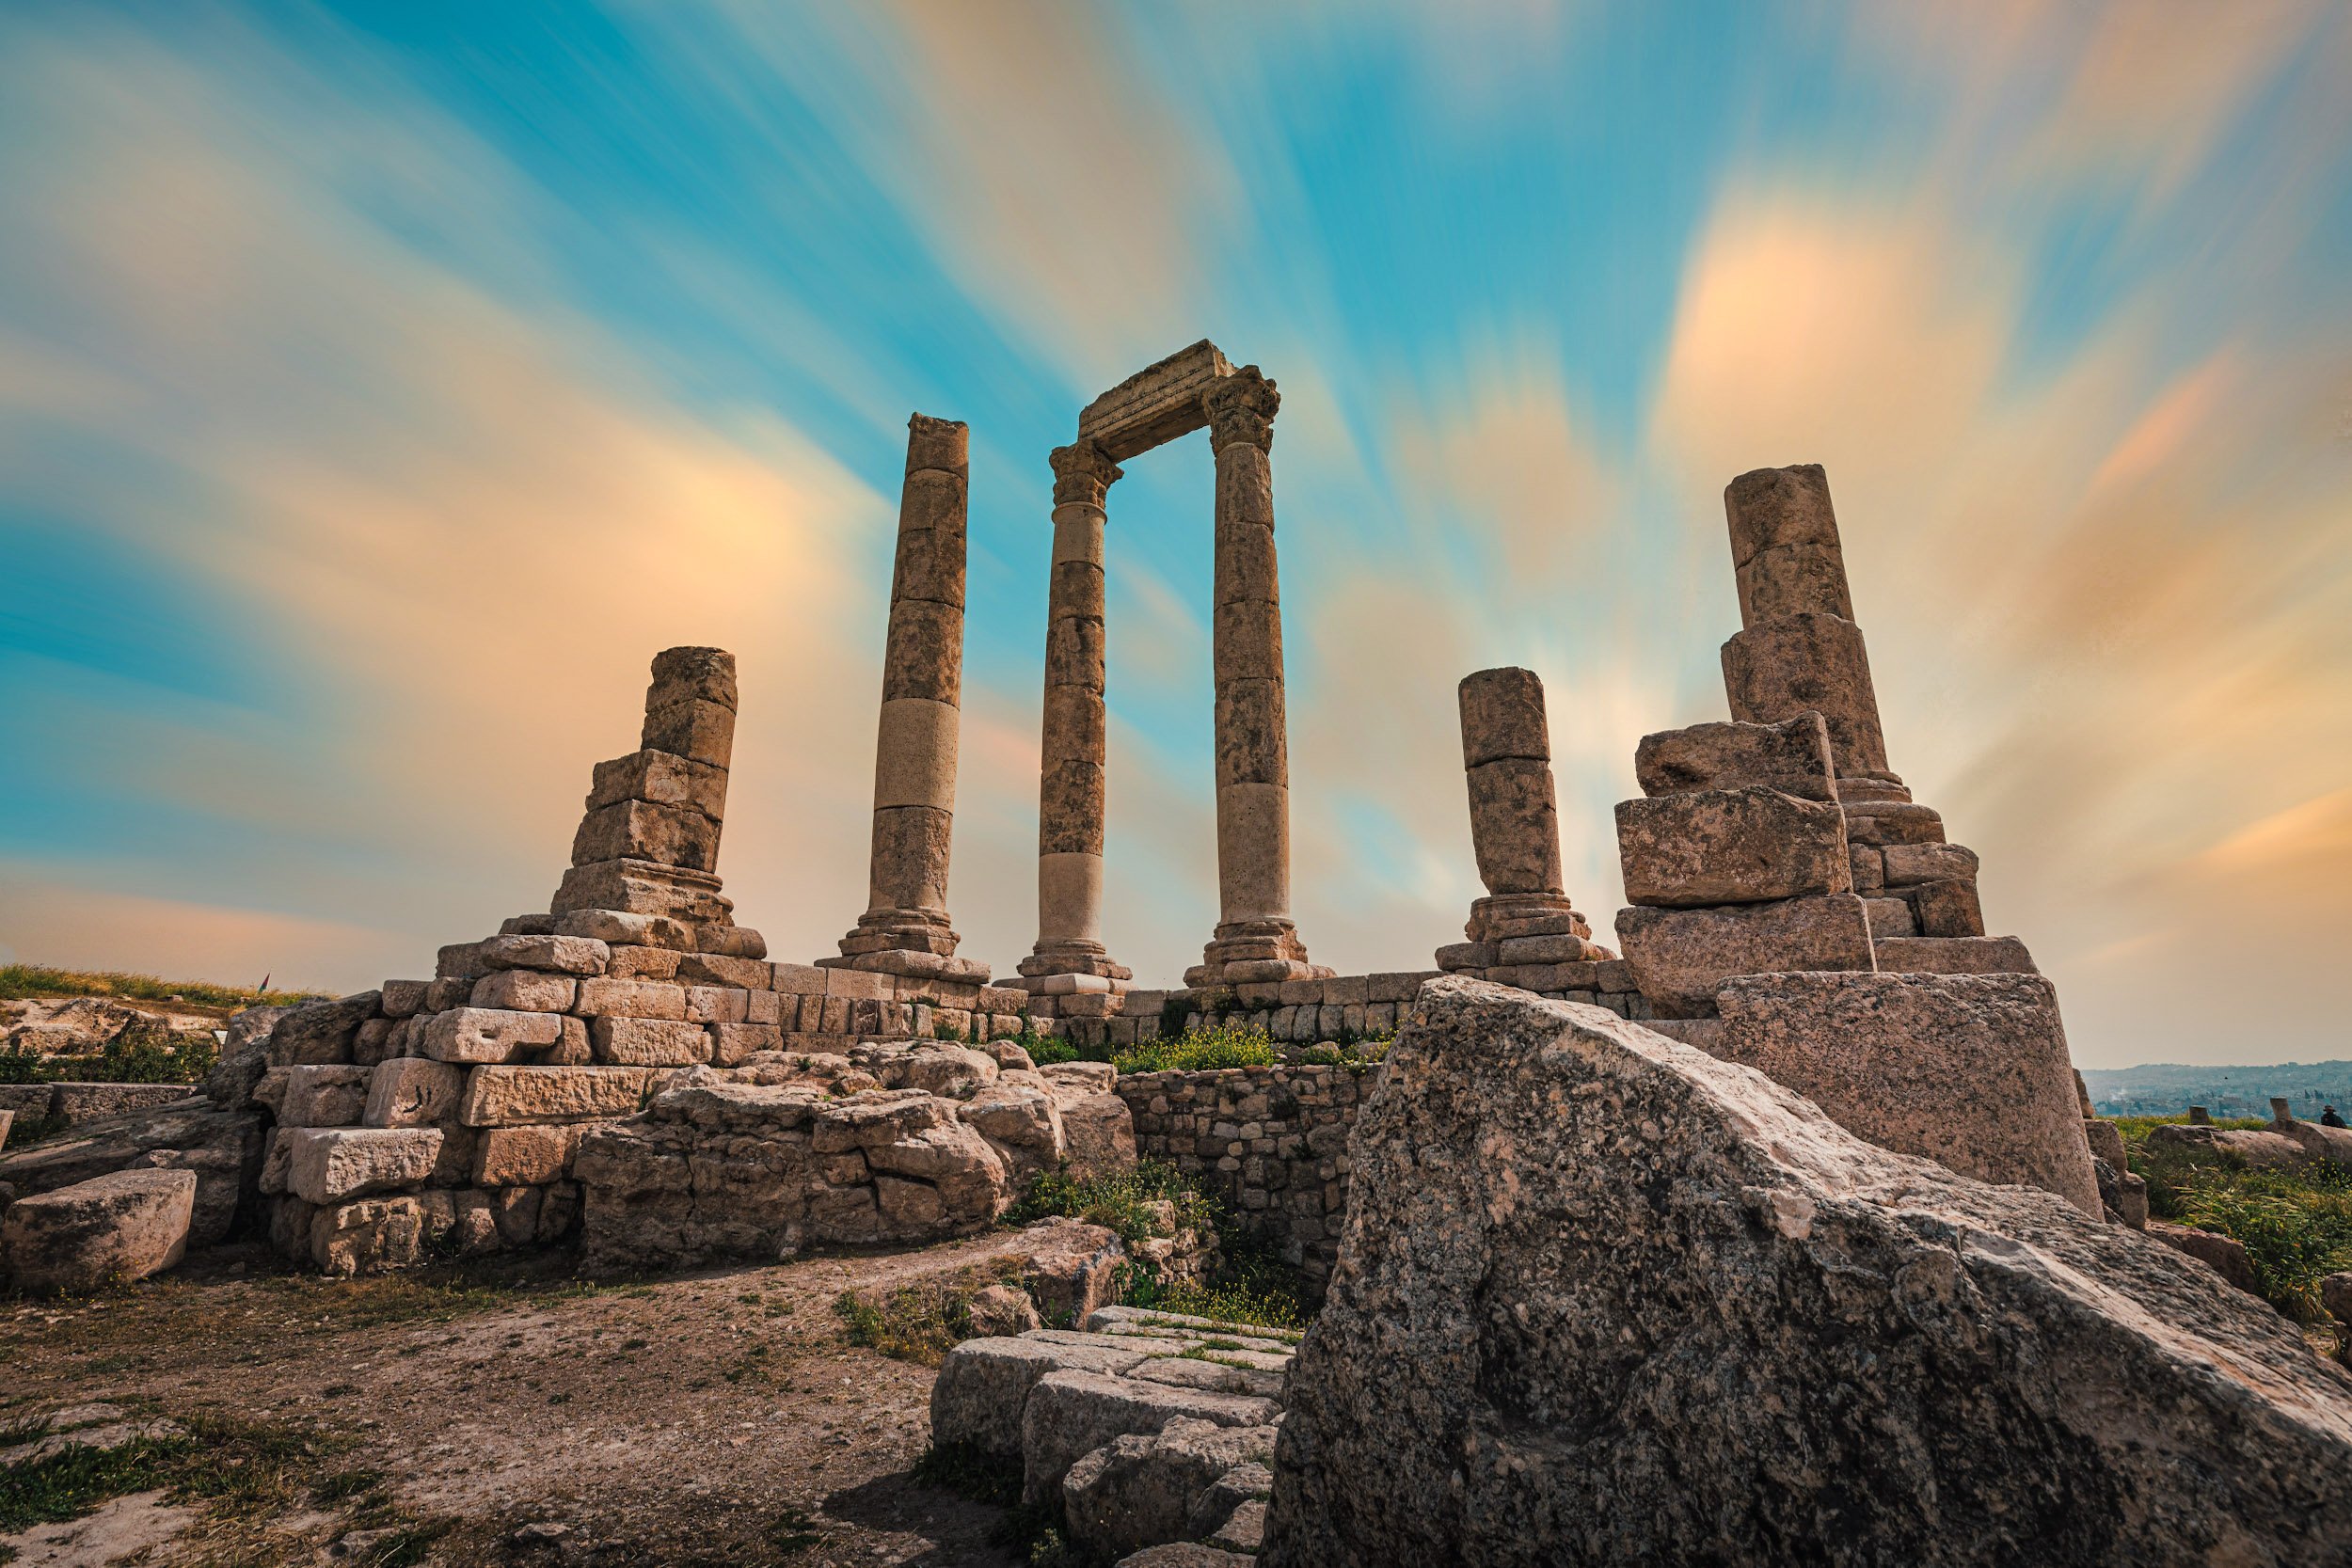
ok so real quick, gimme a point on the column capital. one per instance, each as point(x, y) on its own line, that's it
point(1082, 473)
point(1241, 407)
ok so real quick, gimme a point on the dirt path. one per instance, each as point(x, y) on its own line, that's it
point(712, 1419)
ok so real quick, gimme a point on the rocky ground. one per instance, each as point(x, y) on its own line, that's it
point(511, 1416)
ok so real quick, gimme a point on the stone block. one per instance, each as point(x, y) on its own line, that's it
point(1948, 909)
point(1953, 955)
point(1891, 919)
point(1969, 1071)
point(1778, 669)
point(1890, 822)
point(322, 1096)
point(648, 1042)
point(1503, 716)
point(1792, 756)
point(1774, 508)
point(554, 954)
point(320, 1033)
point(403, 998)
point(326, 1165)
point(695, 730)
point(1142, 1489)
point(379, 1038)
point(525, 1096)
point(706, 675)
point(642, 964)
point(1678, 958)
point(1071, 1413)
point(413, 1092)
point(659, 778)
point(1910, 863)
point(640, 830)
point(367, 1237)
point(1731, 847)
point(524, 991)
point(610, 998)
point(524, 1156)
point(1515, 826)
point(125, 1226)
point(471, 1034)
point(710, 969)
point(733, 1042)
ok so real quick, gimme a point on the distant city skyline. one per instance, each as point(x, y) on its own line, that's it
point(384, 384)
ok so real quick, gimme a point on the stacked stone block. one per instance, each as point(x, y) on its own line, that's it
point(905, 929)
point(1272, 1141)
point(1799, 651)
point(1526, 922)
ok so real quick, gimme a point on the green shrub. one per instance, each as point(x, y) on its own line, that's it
point(144, 1052)
point(2296, 1223)
point(1200, 1051)
point(1123, 1201)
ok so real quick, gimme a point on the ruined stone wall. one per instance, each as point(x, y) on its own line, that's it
point(1272, 1141)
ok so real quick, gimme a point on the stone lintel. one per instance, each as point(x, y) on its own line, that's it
point(1157, 404)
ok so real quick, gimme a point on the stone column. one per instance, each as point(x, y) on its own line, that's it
point(905, 927)
point(648, 845)
point(1070, 955)
point(1515, 832)
point(1799, 649)
point(1255, 938)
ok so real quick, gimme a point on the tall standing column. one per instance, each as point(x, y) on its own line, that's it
point(1070, 955)
point(905, 927)
point(1255, 938)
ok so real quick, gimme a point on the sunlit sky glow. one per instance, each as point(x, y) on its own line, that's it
point(380, 386)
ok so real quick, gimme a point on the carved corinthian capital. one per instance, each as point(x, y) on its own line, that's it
point(1082, 472)
point(1241, 407)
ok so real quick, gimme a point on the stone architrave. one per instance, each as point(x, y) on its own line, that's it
point(1069, 954)
point(1514, 823)
point(1256, 938)
point(905, 927)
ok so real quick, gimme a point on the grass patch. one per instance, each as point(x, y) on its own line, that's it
point(238, 1469)
point(919, 1324)
point(2295, 1222)
point(20, 982)
point(1223, 1045)
point(144, 1052)
point(1150, 1198)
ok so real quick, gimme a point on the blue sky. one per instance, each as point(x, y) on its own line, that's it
point(381, 385)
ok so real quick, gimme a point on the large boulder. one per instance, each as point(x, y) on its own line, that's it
point(112, 1229)
point(1603, 1298)
point(224, 1149)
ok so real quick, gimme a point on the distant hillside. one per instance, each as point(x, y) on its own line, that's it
point(2167, 1088)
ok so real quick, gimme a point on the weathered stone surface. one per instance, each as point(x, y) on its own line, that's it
point(1778, 669)
point(648, 1042)
point(1792, 757)
point(524, 1156)
point(1946, 908)
point(320, 1032)
point(1140, 1489)
point(663, 778)
point(473, 1035)
point(1098, 1131)
point(984, 1384)
point(367, 1237)
point(1185, 1554)
point(1783, 545)
point(699, 731)
point(1604, 1299)
point(1953, 955)
point(122, 1226)
point(1503, 716)
point(640, 830)
point(1002, 1311)
point(1908, 863)
point(706, 675)
point(1071, 1413)
point(2224, 1255)
point(328, 1165)
point(413, 1091)
point(1680, 956)
point(1970, 1070)
point(1071, 1267)
point(1153, 405)
point(525, 991)
point(322, 1096)
point(523, 1096)
point(1731, 847)
point(1515, 826)
point(2258, 1147)
point(554, 954)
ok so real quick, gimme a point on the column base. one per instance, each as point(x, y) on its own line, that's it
point(1254, 952)
point(884, 931)
point(1066, 968)
point(1500, 917)
point(914, 964)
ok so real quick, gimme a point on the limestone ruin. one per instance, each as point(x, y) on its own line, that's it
point(1804, 968)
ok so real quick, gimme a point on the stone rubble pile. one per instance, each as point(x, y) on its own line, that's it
point(1147, 1429)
